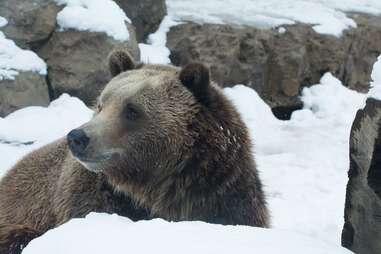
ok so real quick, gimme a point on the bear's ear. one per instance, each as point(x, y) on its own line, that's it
point(120, 61)
point(195, 77)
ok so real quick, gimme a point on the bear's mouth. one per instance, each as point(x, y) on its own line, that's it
point(95, 163)
point(95, 159)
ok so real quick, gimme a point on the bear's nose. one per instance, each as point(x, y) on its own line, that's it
point(77, 141)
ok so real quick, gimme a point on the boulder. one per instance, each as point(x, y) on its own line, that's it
point(77, 61)
point(146, 15)
point(27, 89)
point(30, 23)
point(278, 63)
point(362, 228)
point(363, 49)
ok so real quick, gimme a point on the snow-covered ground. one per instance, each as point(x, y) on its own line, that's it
point(304, 161)
point(100, 233)
point(37, 126)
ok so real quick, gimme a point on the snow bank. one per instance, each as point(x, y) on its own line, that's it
point(156, 51)
point(326, 16)
point(14, 59)
point(95, 16)
point(375, 91)
point(29, 128)
point(304, 161)
point(101, 233)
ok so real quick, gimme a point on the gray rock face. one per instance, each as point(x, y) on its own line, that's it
point(77, 61)
point(27, 89)
point(362, 228)
point(363, 49)
point(30, 23)
point(278, 65)
point(145, 15)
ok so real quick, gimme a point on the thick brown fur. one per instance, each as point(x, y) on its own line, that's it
point(14, 238)
point(187, 157)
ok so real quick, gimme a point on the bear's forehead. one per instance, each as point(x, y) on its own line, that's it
point(129, 83)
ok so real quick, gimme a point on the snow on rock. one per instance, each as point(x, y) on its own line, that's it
point(304, 161)
point(14, 59)
point(102, 233)
point(156, 51)
point(326, 16)
point(3, 22)
point(375, 91)
point(94, 16)
point(29, 128)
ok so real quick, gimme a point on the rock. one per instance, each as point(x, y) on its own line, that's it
point(77, 61)
point(278, 65)
point(30, 23)
point(27, 89)
point(362, 228)
point(364, 48)
point(146, 15)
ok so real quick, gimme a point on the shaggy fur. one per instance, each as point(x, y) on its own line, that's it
point(165, 142)
point(14, 238)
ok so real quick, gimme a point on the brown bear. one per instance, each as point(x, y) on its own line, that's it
point(164, 143)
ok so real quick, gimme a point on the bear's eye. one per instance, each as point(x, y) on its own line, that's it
point(130, 112)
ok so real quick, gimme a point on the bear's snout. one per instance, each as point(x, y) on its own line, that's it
point(77, 141)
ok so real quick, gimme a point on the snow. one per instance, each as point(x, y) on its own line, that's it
point(326, 16)
point(39, 126)
point(3, 22)
point(94, 16)
point(155, 50)
point(14, 59)
point(101, 233)
point(375, 91)
point(282, 30)
point(304, 161)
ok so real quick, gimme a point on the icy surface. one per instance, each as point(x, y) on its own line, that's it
point(94, 16)
point(101, 233)
point(375, 91)
point(14, 59)
point(37, 126)
point(326, 16)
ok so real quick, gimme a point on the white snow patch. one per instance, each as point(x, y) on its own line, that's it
point(281, 30)
point(3, 22)
point(94, 16)
point(304, 161)
point(102, 233)
point(14, 59)
point(156, 51)
point(40, 125)
point(375, 91)
point(326, 16)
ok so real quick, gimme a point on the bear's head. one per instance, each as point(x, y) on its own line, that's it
point(155, 122)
